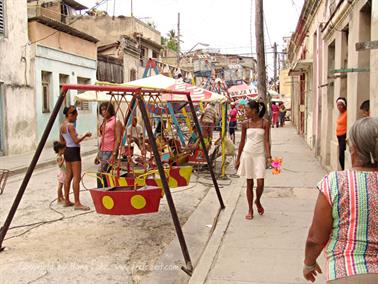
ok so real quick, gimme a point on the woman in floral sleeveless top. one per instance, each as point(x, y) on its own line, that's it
point(345, 222)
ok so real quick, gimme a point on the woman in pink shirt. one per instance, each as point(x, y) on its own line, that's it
point(233, 121)
point(110, 137)
point(275, 114)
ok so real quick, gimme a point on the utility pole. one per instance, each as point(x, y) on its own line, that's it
point(275, 62)
point(132, 8)
point(260, 50)
point(178, 40)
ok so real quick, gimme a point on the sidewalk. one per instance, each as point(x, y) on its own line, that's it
point(17, 164)
point(269, 248)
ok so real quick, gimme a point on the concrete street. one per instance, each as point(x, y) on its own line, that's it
point(224, 247)
point(269, 248)
point(72, 247)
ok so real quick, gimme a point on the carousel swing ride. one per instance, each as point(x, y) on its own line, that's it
point(138, 195)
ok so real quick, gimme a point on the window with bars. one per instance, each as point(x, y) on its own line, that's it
point(2, 18)
point(46, 79)
point(83, 105)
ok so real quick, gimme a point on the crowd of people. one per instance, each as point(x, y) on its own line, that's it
point(345, 222)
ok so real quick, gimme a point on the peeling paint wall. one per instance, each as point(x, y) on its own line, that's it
point(18, 114)
point(50, 37)
point(350, 24)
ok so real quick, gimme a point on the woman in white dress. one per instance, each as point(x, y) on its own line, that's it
point(254, 153)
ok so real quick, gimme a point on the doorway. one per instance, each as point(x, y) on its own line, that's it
point(63, 79)
point(2, 120)
point(302, 86)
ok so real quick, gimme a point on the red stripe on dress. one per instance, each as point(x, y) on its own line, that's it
point(350, 265)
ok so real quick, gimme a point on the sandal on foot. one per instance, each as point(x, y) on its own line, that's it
point(68, 204)
point(82, 207)
point(249, 216)
point(260, 209)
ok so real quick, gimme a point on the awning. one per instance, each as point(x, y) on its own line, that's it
point(300, 67)
point(242, 89)
point(158, 82)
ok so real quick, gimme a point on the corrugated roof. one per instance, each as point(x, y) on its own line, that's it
point(63, 28)
point(74, 4)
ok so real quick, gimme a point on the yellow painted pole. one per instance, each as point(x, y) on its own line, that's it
point(224, 106)
point(201, 106)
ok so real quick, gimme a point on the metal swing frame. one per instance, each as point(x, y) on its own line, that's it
point(138, 97)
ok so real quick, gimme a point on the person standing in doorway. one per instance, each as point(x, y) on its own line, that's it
point(341, 129)
point(233, 121)
point(69, 137)
point(254, 153)
point(365, 108)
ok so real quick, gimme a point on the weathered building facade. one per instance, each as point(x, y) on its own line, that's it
point(125, 38)
point(326, 64)
point(60, 55)
point(230, 67)
point(17, 103)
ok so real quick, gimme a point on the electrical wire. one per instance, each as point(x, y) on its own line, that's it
point(198, 174)
point(295, 7)
point(38, 224)
point(250, 26)
point(267, 30)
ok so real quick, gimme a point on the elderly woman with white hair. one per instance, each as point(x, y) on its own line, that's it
point(345, 222)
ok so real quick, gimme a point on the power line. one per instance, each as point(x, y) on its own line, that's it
point(237, 47)
point(114, 8)
point(267, 31)
point(250, 26)
point(295, 7)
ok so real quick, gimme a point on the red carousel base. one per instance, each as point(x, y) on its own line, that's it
point(198, 158)
point(178, 176)
point(124, 200)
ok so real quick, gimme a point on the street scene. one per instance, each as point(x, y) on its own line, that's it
point(188, 141)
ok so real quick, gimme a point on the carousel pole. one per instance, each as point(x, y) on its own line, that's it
point(189, 267)
point(4, 229)
point(224, 111)
point(198, 127)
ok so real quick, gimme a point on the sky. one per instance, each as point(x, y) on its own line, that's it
point(224, 25)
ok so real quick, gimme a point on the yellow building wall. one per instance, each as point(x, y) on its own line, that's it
point(55, 39)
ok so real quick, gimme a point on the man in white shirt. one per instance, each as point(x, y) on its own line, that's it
point(135, 130)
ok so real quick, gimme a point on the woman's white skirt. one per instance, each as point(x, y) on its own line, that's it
point(252, 166)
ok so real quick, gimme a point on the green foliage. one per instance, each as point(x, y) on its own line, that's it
point(172, 44)
point(163, 41)
point(172, 40)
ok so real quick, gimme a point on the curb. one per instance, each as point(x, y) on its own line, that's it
point(211, 251)
point(44, 164)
